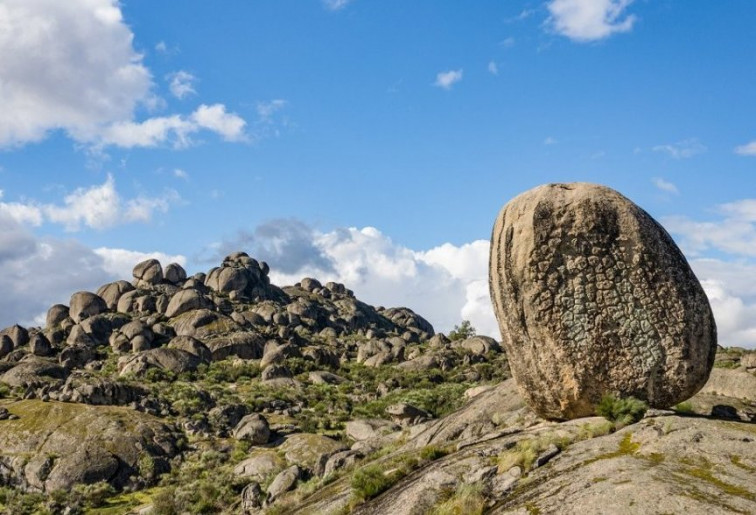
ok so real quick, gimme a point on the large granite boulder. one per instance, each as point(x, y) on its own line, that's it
point(148, 273)
point(85, 304)
point(593, 297)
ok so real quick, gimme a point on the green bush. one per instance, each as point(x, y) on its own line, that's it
point(621, 411)
point(432, 452)
point(370, 481)
point(463, 331)
point(684, 407)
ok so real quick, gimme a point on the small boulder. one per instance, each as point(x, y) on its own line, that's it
point(6, 345)
point(148, 273)
point(112, 292)
point(175, 273)
point(192, 346)
point(252, 498)
point(85, 304)
point(283, 482)
point(18, 335)
point(406, 414)
point(365, 429)
point(253, 428)
point(187, 300)
point(39, 345)
point(55, 315)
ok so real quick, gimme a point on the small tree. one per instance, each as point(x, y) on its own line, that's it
point(463, 331)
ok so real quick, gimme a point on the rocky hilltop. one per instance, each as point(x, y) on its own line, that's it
point(223, 393)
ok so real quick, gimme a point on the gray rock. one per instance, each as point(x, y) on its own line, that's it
point(33, 372)
point(593, 297)
point(55, 315)
point(175, 273)
point(174, 360)
point(112, 292)
point(275, 372)
point(478, 345)
point(6, 345)
point(39, 345)
point(203, 324)
point(323, 377)
point(18, 335)
point(283, 482)
point(187, 300)
point(406, 414)
point(259, 466)
point(192, 346)
point(242, 344)
point(340, 460)
point(366, 429)
point(148, 273)
point(252, 498)
point(75, 356)
point(253, 428)
point(85, 304)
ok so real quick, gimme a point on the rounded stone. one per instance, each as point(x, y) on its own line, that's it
point(85, 304)
point(148, 272)
point(593, 297)
point(175, 273)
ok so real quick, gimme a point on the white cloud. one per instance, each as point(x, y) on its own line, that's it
point(550, 141)
point(265, 110)
point(182, 84)
point(176, 129)
point(40, 272)
point(508, 42)
point(181, 174)
point(215, 118)
point(120, 262)
point(445, 284)
point(589, 20)
point(336, 5)
point(682, 149)
point(493, 68)
point(98, 207)
point(447, 79)
point(161, 47)
point(66, 65)
point(749, 149)
point(665, 185)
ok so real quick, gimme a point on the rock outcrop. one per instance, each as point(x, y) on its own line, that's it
point(593, 297)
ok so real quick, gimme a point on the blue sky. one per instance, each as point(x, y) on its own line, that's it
point(363, 141)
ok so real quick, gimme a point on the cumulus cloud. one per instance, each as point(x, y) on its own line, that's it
point(182, 84)
point(40, 272)
point(589, 20)
point(71, 66)
point(445, 284)
point(120, 262)
point(734, 232)
point(682, 149)
point(176, 129)
point(447, 79)
point(749, 149)
point(66, 65)
point(98, 207)
point(665, 185)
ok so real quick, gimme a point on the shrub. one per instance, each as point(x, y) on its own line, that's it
point(432, 452)
point(684, 407)
point(94, 495)
point(370, 481)
point(463, 331)
point(621, 411)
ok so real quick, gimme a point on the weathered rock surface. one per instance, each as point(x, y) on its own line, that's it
point(593, 297)
point(253, 428)
point(52, 446)
point(85, 304)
